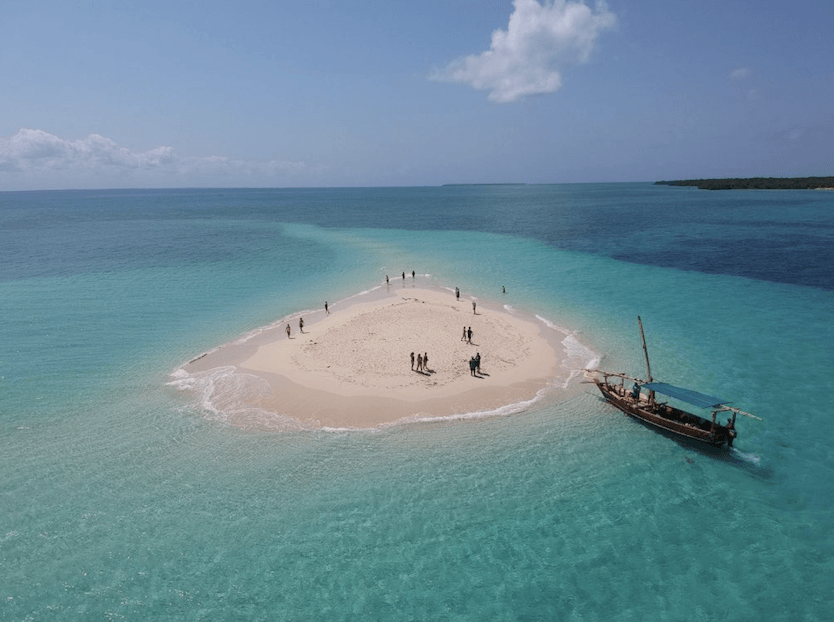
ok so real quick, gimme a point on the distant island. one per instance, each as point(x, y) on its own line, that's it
point(756, 183)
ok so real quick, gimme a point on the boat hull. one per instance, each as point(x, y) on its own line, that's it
point(666, 418)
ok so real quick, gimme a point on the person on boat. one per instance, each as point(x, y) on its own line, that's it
point(635, 392)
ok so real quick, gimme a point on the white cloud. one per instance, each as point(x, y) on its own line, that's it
point(35, 149)
point(528, 57)
point(740, 73)
point(37, 158)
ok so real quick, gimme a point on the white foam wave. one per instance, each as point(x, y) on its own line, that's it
point(364, 292)
point(578, 355)
point(751, 458)
point(553, 326)
point(222, 394)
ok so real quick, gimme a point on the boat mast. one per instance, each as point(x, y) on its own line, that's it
point(646, 352)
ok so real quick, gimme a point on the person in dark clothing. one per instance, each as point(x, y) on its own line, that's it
point(472, 366)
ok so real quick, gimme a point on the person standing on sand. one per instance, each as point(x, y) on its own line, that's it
point(326, 310)
point(473, 307)
point(419, 362)
point(301, 324)
point(469, 335)
point(478, 362)
point(425, 361)
point(457, 293)
point(412, 361)
point(463, 338)
point(472, 366)
point(288, 331)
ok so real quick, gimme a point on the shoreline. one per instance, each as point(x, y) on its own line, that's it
point(351, 369)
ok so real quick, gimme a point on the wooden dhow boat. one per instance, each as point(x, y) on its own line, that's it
point(645, 407)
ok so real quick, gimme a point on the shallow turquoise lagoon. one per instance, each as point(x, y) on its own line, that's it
point(122, 497)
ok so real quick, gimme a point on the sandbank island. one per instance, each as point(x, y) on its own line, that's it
point(351, 368)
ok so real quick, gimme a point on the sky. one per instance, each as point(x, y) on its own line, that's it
point(281, 93)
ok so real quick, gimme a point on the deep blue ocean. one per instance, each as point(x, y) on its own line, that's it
point(123, 497)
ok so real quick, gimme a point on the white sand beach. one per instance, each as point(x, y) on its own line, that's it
point(352, 368)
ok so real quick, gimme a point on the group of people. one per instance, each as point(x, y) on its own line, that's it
point(422, 362)
point(300, 326)
point(475, 365)
point(467, 335)
point(413, 276)
point(301, 321)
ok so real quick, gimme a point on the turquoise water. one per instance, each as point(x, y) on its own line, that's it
point(124, 498)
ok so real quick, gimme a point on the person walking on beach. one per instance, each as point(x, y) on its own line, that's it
point(301, 324)
point(463, 337)
point(457, 293)
point(412, 361)
point(478, 362)
point(326, 310)
point(403, 276)
point(288, 331)
point(419, 362)
point(469, 335)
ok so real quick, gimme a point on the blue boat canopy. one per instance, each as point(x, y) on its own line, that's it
point(685, 395)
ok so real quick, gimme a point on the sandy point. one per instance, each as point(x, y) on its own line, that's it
point(352, 369)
